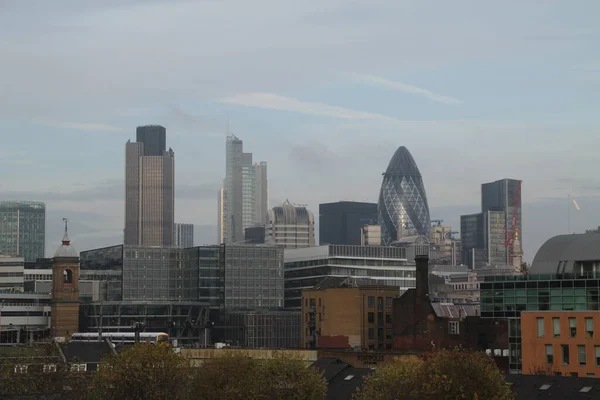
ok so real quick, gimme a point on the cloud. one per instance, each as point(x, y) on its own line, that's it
point(276, 102)
point(84, 126)
point(403, 87)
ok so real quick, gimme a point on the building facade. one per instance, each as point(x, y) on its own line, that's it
point(290, 226)
point(373, 265)
point(12, 272)
point(243, 202)
point(222, 216)
point(149, 189)
point(371, 235)
point(184, 235)
point(23, 229)
point(341, 222)
point(504, 196)
point(358, 318)
point(65, 290)
point(561, 343)
point(403, 209)
point(262, 329)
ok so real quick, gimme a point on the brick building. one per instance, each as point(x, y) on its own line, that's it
point(420, 324)
point(340, 315)
point(561, 343)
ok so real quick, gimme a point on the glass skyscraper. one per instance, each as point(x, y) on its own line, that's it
point(149, 189)
point(504, 195)
point(341, 222)
point(23, 229)
point(403, 209)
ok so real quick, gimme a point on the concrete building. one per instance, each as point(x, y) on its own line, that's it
point(370, 235)
point(23, 229)
point(341, 222)
point(561, 343)
point(348, 317)
point(445, 248)
point(149, 189)
point(374, 265)
point(184, 235)
point(12, 271)
point(290, 226)
point(243, 202)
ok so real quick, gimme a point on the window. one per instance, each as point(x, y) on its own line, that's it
point(589, 327)
point(565, 353)
point(20, 369)
point(380, 303)
point(388, 302)
point(549, 354)
point(388, 333)
point(581, 352)
point(453, 328)
point(371, 301)
point(597, 351)
point(379, 318)
point(313, 303)
point(540, 327)
point(573, 327)
point(556, 327)
point(371, 333)
point(388, 318)
point(371, 318)
point(49, 368)
point(78, 367)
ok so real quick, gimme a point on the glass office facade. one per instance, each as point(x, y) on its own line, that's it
point(271, 329)
point(23, 229)
point(508, 296)
point(494, 238)
point(341, 222)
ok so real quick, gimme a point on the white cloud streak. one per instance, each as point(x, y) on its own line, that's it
point(276, 102)
point(406, 88)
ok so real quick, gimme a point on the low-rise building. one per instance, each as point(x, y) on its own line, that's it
point(12, 270)
point(342, 316)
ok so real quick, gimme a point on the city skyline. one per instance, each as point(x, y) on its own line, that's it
point(485, 100)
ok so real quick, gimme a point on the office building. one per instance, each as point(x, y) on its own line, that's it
point(23, 229)
point(483, 239)
point(149, 189)
point(243, 201)
point(504, 196)
point(370, 265)
point(12, 272)
point(255, 235)
point(371, 235)
point(290, 226)
point(262, 329)
point(184, 235)
point(222, 216)
point(341, 222)
point(348, 317)
point(403, 209)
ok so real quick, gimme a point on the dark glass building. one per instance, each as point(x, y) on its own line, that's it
point(504, 195)
point(403, 208)
point(23, 229)
point(341, 222)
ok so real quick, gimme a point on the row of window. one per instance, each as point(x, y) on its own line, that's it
point(556, 331)
point(581, 353)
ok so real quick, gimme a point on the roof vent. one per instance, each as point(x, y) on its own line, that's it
point(585, 389)
point(352, 376)
point(545, 387)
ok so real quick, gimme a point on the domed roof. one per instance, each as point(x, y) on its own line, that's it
point(559, 254)
point(65, 249)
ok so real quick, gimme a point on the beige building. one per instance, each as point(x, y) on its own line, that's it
point(370, 235)
point(290, 226)
point(348, 317)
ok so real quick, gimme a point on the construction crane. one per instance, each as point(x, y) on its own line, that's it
point(439, 221)
point(511, 234)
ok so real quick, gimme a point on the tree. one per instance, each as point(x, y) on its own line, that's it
point(447, 374)
point(234, 377)
point(143, 372)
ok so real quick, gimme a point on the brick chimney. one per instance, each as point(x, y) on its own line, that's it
point(422, 277)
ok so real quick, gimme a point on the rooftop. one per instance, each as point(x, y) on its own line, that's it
point(559, 254)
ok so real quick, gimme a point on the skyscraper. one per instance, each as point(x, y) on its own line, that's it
point(403, 209)
point(222, 216)
point(23, 229)
point(243, 202)
point(184, 235)
point(149, 189)
point(342, 222)
point(504, 195)
point(290, 226)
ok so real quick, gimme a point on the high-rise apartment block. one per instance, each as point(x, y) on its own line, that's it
point(149, 189)
point(290, 226)
point(243, 200)
point(342, 222)
point(184, 235)
point(23, 229)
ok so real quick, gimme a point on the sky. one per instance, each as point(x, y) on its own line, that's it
point(323, 90)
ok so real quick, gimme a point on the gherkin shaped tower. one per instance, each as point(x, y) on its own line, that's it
point(402, 208)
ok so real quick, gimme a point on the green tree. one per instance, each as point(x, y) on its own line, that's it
point(237, 377)
point(143, 372)
point(447, 374)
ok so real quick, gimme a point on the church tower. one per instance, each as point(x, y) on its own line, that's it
point(65, 289)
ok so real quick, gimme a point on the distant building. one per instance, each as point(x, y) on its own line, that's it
point(348, 317)
point(222, 216)
point(371, 235)
point(290, 226)
point(23, 229)
point(446, 249)
point(12, 272)
point(184, 235)
point(149, 189)
point(262, 329)
point(505, 196)
point(341, 222)
point(372, 265)
point(255, 235)
point(483, 239)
